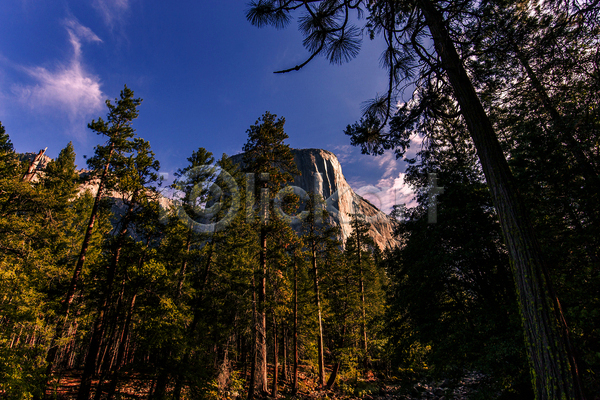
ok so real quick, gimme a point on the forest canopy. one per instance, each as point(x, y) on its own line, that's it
point(107, 292)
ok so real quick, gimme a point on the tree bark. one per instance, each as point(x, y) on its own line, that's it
point(554, 372)
point(333, 376)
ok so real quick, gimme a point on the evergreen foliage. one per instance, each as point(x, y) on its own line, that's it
point(116, 291)
point(496, 69)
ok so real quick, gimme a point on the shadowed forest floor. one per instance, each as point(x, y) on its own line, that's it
point(138, 386)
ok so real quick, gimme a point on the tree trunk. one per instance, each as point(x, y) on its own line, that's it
point(333, 376)
point(60, 326)
point(275, 387)
point(284, 376)
point(363, 322)
point(100, 323)
point(253, 346)
point(122, 349)
point(179, 377)
point(121, 352)
point(160, 390)
point(295, 378)
point(261, 366)
point(321, 381)
point(554, 372)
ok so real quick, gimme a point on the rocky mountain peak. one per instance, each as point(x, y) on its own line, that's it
point(321, 172)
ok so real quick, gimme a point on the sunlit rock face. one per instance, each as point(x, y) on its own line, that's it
point(321, 172)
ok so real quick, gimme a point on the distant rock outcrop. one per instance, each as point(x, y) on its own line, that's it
point(321, 172)
point(37, 162)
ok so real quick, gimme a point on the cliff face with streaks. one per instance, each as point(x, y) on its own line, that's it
point(321, 172)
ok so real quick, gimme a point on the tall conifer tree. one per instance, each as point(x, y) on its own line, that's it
point(272, 163)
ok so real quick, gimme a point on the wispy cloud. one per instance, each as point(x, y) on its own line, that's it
point(112, 11)
point(68, 86)
point(388, 163)
point(380, 179)
point(388, 192)
point(80, 31)
point(416, 142)
point(344, 153)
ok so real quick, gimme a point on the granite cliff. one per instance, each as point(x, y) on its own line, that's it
point(321, 172)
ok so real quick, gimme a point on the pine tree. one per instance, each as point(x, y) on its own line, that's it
point(268, 157)
point(359, 246)
point(7, 152)
point(316, 235)
point(61, 175)
point(119, 132)
point(451, 295)
point(133, 174)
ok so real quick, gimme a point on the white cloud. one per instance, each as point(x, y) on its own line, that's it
point(112, 11)
point(82, 32)
point(344, 153)
point(67, 87)
point(390, 188)
point(388, 192)
point(415, 146)
point(387, 161)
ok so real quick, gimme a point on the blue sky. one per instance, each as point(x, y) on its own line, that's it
point(205, 75)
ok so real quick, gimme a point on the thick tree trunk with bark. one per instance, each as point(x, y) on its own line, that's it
point(554, 371)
